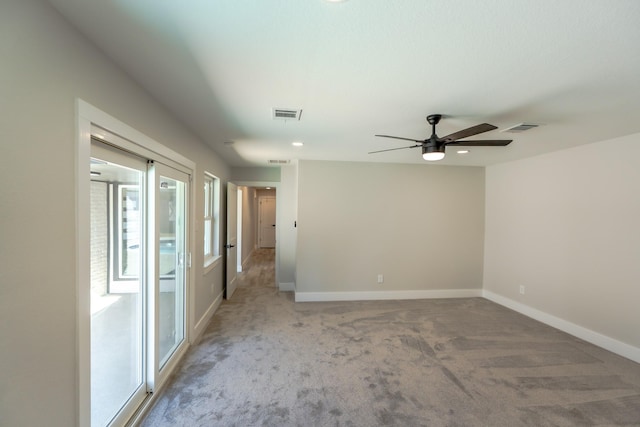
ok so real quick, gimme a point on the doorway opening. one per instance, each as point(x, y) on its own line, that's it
point(250, 221)
point(266, 218)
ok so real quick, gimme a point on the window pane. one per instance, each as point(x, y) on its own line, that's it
point(129, 230)
point(116, 316)
point(171, 223)
point(207, 238)
point(207, 196)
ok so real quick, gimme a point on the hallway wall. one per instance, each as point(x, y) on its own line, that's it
point(249, 220)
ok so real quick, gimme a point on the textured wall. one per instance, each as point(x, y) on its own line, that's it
point(421, 226)
point(565, 226)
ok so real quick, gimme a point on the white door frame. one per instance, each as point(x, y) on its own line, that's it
point(239, 232)
point(261, 226)
point(87, 118)
point(276, 186)
point(231, 245)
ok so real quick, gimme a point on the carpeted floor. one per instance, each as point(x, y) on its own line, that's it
point(267, 361)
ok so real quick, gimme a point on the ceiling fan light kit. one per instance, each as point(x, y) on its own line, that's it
point(433, 148)
point(433, 153)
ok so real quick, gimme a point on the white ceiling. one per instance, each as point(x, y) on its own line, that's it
point(366, 67)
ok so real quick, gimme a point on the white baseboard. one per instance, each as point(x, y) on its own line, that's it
point(595, 338)
point(386, 295)
point(200, 326)
point(287, 287)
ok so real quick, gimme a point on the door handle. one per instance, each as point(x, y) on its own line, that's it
point(229, 246)
point(273, 225)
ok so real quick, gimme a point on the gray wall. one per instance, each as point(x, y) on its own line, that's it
point(421, 226)
point(267, 174)
point(565, 226)
point(46, 65)
point(287, 232)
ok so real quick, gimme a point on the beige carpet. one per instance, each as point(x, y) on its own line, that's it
point(267, 361)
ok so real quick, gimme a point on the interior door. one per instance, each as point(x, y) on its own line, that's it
point(232, 239)
point(267, 215)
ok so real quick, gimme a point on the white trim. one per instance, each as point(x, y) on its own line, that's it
point(239, 245)
point(112, 124)
point(287, 287)
point(387, 295)
point(83, 263)
point(275, 185)
point(595, 338)
point(87, 117)
point(260, 213)
point(201, 325)
point(215, 232)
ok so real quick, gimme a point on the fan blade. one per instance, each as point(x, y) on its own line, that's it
point(397, 137)
point(464, 133)
point(391, 149)
point(481, 143)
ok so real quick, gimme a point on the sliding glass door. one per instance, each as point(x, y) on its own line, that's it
point(118, 212)
point(169, 263)
point(138, 278)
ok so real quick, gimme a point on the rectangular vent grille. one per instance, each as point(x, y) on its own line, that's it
point(286, 114)
point(278, 162)
point(520, 128)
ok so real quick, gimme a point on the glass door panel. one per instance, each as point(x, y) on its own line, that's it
point(117, 310)
point(170, 243)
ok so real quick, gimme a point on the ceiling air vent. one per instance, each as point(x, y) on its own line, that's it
point(278, 162)
point(520, 128)
point(286, 113)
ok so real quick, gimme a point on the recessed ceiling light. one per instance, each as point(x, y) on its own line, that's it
point(462, 151)
point(297, 144)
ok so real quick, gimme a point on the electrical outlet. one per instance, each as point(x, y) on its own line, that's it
point(521, 290)
point(380, 278)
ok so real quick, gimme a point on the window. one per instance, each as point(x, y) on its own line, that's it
point(211, 219)
point(127, 231)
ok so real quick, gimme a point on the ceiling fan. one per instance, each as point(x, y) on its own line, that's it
point(433, 147)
